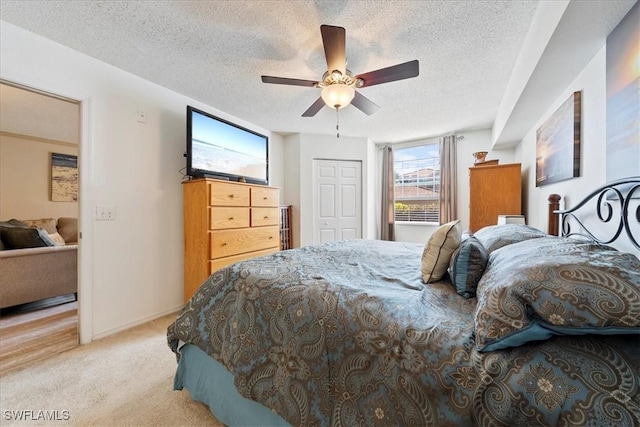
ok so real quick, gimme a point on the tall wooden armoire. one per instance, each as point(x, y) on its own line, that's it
point(495, 190)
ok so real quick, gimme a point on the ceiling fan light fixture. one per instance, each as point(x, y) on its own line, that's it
point(338, 95)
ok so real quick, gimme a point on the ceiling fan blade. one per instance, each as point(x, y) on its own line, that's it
point(364, 104)
point(287, 81)
point(315, 107)
point(390, 74)
point(334, 41)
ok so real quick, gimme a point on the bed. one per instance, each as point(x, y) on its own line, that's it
point(506, 326)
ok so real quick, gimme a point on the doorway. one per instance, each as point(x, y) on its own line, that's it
point(337, 200)
point(39, 143)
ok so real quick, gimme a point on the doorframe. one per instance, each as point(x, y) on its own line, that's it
point(85, 226)
point(85, 231)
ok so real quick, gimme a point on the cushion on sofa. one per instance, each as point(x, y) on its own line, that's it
point(24, 237)
point(10, 224)
point(47, 224)
point(57, 239)
point(68, 229)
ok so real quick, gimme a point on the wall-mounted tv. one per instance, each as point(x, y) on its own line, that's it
point(220, 149)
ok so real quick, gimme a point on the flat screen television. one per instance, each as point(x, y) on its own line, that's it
point(220, 149)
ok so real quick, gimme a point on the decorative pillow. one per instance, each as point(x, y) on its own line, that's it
point(494, 237)
point(8, 224)
point(467, 265)
point(437, 252)
point(549, 286)
point(12, 223)
point(57, 239)
point(25, 237)
point(68, 229)
point(47, 224)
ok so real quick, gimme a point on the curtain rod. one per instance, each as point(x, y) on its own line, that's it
point(386, 144)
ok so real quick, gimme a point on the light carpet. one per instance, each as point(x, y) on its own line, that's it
point(123, 380)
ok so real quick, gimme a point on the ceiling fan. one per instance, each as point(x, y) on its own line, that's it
point(338, 84)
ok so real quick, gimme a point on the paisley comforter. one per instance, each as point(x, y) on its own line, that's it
point(346, 333)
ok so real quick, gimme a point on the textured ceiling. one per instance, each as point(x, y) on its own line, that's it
point(215, 52)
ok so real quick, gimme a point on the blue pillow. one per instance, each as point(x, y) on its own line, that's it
point(467, 265)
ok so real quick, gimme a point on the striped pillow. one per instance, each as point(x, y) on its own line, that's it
point(467, 264)
point(438, 250)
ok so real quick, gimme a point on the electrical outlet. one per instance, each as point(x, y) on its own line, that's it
point(105, 213)
point(142, 116)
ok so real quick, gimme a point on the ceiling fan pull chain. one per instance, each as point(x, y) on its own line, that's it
point(337, 123)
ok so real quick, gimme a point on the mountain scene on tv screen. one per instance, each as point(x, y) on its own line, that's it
point(215, 158)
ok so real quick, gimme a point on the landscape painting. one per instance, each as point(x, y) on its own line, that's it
point(558, 144)
point(623, 93)
point(64, 178)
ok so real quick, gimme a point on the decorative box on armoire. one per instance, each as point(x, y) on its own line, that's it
point(494, 190)
point(226, 222)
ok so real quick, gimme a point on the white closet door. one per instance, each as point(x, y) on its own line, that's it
point(337, 200)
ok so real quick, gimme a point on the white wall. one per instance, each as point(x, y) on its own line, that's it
point(25, 179)
point(131, 268)
point(301, 150)
point(369, 205)
point(592, 82)
point(292, 192)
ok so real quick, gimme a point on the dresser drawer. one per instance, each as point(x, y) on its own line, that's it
point(265, 216)
point(218, 263)
point(225, 217)
point(265, 196)
point(231, 242)
point(228, 194)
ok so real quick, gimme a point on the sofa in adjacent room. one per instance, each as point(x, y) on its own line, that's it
point(38, 260)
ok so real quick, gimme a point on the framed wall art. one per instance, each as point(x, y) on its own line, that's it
point(558, 143)
point(623, 93)
point(64, 178)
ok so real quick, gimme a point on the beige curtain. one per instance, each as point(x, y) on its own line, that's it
point(387, 217)
point(448, 181)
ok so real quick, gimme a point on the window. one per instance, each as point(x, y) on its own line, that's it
point(416, 191)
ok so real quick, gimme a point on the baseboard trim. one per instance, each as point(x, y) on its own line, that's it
point(137, 322)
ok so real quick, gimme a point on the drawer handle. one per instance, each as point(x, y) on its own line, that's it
point(230, 218)
point(224, 244)
point(266, 217)
point(265, 198)
point(270, 237)
point(231, 196)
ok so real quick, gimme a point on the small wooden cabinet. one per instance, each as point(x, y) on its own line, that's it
point(226, 222)
point(286, 238)
point(495, 190)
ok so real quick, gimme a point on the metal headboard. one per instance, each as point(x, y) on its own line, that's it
point(613, 207)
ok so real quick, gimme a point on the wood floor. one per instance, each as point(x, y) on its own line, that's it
point(36, 335)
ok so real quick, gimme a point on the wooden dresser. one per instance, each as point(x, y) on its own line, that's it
point(495, 190)
point(226, 222)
